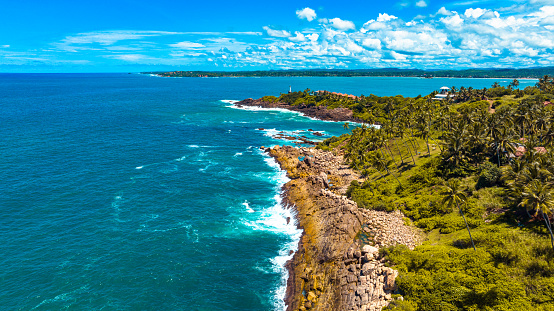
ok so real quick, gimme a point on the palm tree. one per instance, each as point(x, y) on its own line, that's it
point(538, 196)
point(345, 126)
point(456, 147)
point(380, 163)
point(514, 84)
point(545, 83)
point(453, 194)
point(503, 143)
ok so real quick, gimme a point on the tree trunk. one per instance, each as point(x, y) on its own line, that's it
point(527, 211)
point(547, 221)
point(409, 151)
point(392, 157)
point(399, 152)
point(439, 146)
point(394, 176)
point(427, 142)
point(467, 226)
point(412, 130)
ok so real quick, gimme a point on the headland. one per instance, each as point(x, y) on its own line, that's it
point(337, 265)
point(312, 111)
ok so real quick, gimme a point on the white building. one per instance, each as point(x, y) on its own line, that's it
point(443, 93)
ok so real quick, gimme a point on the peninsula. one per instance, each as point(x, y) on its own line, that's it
point(535, 73)
point(447, 206)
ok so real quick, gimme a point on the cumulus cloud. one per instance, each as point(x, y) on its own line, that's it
point(298, 37)
point(277, 33)
point(421, 4)
point(384, 17)
point(398, 56)
point(444, 11)
point(372, 43)
point(353, 47)
point(307, 14)
point(472, 37)
point(342, 24)
point(313, 37)
point(452, 21)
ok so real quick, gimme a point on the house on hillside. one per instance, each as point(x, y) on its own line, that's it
point(443, 93)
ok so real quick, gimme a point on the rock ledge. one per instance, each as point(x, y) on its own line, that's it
point(334, 269)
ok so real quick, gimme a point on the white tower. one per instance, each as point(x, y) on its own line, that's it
point(290, 89)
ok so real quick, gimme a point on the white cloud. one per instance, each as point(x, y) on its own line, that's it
point(277, 33)
point(545, 11)
point(110, 37)
point(353, 47)
point(421, 4)
point(313, 37)
point(307, 14)
point(128, 57)
point(474, 13)
point(398, 56)
point(444, 11)
point(476, 37)
point(298, 38)
point(5, 46)
point(342, 24)
point(384, 17)
point(372, 43)
point(452, 21)
point(187, 45)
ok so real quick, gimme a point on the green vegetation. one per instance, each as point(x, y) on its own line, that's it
point(387, 72)
point(476, 174)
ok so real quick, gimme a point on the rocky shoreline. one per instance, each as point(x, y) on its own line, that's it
point(318, 112)
point(337, 265)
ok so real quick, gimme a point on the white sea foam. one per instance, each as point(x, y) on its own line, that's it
point(229, 101)
point(259, 108)
point(139, 167)
point(69, 296)
point(279, 220)
point(237, 154)
point(247, 207)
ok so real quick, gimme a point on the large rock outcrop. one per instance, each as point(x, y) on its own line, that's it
point(333, 268)
point(319, 112)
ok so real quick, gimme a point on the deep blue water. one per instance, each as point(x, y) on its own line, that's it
point(132, 192)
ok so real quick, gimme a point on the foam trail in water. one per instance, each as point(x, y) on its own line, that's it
point(229, 101)
point(247, 207)
point(279, 220)
point(259, 108)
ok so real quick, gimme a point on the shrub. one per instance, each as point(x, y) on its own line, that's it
point(489, 175)
point(269, 99)
point(498, 92)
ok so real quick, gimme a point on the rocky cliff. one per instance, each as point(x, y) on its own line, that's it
point(319, 112)
point(337, 265)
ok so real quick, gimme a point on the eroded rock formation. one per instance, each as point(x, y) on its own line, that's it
point(319, 112)
point(333, 268)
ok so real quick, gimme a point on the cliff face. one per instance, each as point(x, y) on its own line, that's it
point(319, 112)
point(333, 269)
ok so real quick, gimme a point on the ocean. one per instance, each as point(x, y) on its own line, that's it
point(134, 192)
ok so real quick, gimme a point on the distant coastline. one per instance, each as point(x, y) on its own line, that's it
point(492, 73)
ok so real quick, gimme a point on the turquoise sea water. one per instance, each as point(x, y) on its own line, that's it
point(133, 192)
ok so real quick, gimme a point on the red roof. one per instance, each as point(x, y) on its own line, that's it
point(520, 151)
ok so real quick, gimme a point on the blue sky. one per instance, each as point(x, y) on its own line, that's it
point(136, 35)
